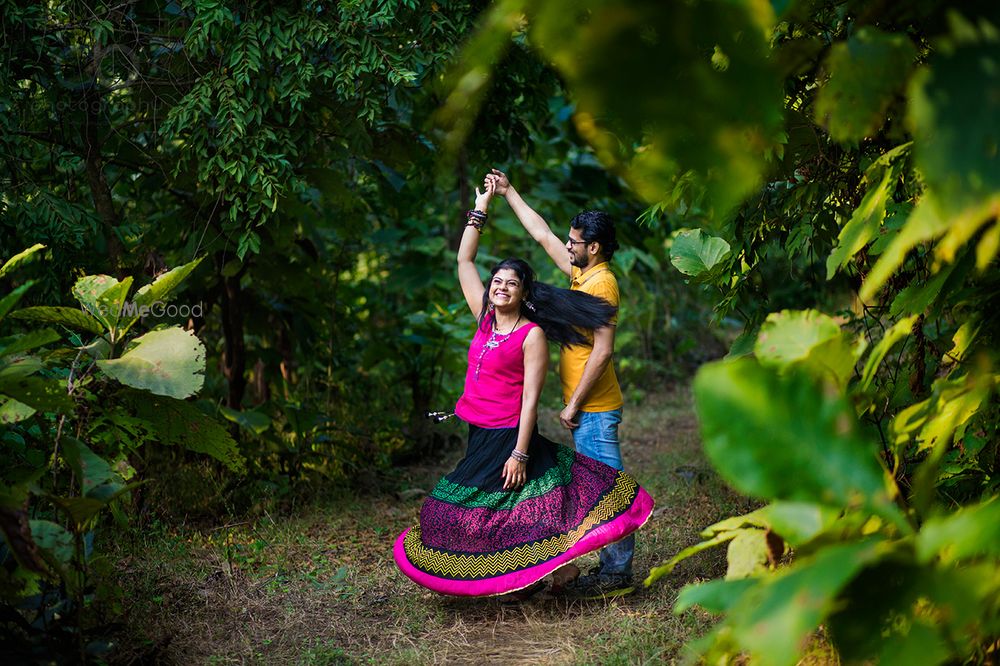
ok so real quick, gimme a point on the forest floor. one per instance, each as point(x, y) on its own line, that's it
point(319, 586)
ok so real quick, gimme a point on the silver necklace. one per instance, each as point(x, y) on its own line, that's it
point(493, 342)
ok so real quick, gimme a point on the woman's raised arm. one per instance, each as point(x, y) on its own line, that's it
point(468, 274)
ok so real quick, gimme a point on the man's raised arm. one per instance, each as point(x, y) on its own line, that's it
point(533, 223)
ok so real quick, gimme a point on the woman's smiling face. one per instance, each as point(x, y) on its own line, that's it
point(505, 289)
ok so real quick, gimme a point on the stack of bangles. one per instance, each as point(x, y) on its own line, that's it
point(518, 456)
point(477, 219)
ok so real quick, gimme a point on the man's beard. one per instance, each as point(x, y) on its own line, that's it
point(578, 261)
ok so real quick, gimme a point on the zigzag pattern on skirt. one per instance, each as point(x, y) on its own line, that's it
point(471, 567)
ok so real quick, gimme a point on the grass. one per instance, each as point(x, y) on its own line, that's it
point(320, 586)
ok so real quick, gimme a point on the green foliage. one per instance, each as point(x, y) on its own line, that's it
point(167, 362)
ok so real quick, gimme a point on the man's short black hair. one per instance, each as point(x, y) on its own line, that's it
point(597, 227)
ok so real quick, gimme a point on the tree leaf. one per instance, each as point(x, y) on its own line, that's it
point(863, 225)
point(603, 50)
point(29, 341)
point(747, 554)
point(90, 468)
point(866, 72)
point(779, 436)
point(168, 361)
point(772, 619)
point(89, 289)
point(694, 253)
point(954, 106)
point(715, 596)
point(899, 330)
point(255, 422)
point(798, 522)
point(970, 531)
point(12, 411)
point(20, 259)
point(161, 288)
point(179, 423)
point(806, 339)
point(68, 317)
point(55, 540)
point(11, 299)
point(40, 393)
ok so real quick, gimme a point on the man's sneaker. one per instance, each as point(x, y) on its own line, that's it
point(597, 585)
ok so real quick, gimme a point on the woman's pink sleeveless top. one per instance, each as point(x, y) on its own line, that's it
point(493, 399)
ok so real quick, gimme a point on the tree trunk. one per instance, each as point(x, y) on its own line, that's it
point(234, 357)
point(101, 192)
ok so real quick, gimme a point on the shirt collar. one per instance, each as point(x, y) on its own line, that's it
point(580, 278)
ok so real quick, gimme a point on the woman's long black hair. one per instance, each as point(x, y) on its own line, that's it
point(560, 312)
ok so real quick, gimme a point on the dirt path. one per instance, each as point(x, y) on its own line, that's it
point(320, 586)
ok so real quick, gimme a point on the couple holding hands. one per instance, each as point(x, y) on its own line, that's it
point(520, 507)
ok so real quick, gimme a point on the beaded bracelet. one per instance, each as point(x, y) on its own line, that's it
point(518, 456)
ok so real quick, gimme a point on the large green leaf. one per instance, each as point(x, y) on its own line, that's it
point(695, 253)
point(691, 81)
point(180, 423)
point(798, 522)
point(43, 394)
point(54, 540)
point(806, 339)
point(12, 411)
point(168, 361)
point(29, 341)
point(112, 304)
point(970, 531)
point(73, 318)
point(866, 72)
point(715, 596)
point(90, 468)
point(20, 259)
point(89, 289)
point(954, 106)
point(158, 291)
point(780, 436)
point(773, 619)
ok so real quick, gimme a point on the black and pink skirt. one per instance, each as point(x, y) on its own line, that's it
point(476, 539)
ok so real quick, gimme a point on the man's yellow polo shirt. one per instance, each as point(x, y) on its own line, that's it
point(605, 394)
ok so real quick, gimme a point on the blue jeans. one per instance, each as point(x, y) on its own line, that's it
point(597, 437)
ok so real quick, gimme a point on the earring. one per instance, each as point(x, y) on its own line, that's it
point(491, 307)
point(529, 305)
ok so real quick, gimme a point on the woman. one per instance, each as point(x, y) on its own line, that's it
point(518, 506)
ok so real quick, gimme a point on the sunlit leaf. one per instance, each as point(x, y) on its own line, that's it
point(746, 554)
point(863, 225)
point(806, 339)
point(20, 259)
point(167, 362)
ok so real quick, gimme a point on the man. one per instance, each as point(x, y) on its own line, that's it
point(590, 388)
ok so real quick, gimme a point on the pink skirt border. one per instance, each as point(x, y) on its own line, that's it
point(619, 528)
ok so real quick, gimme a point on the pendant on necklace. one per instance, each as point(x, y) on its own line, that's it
point(492, 344)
